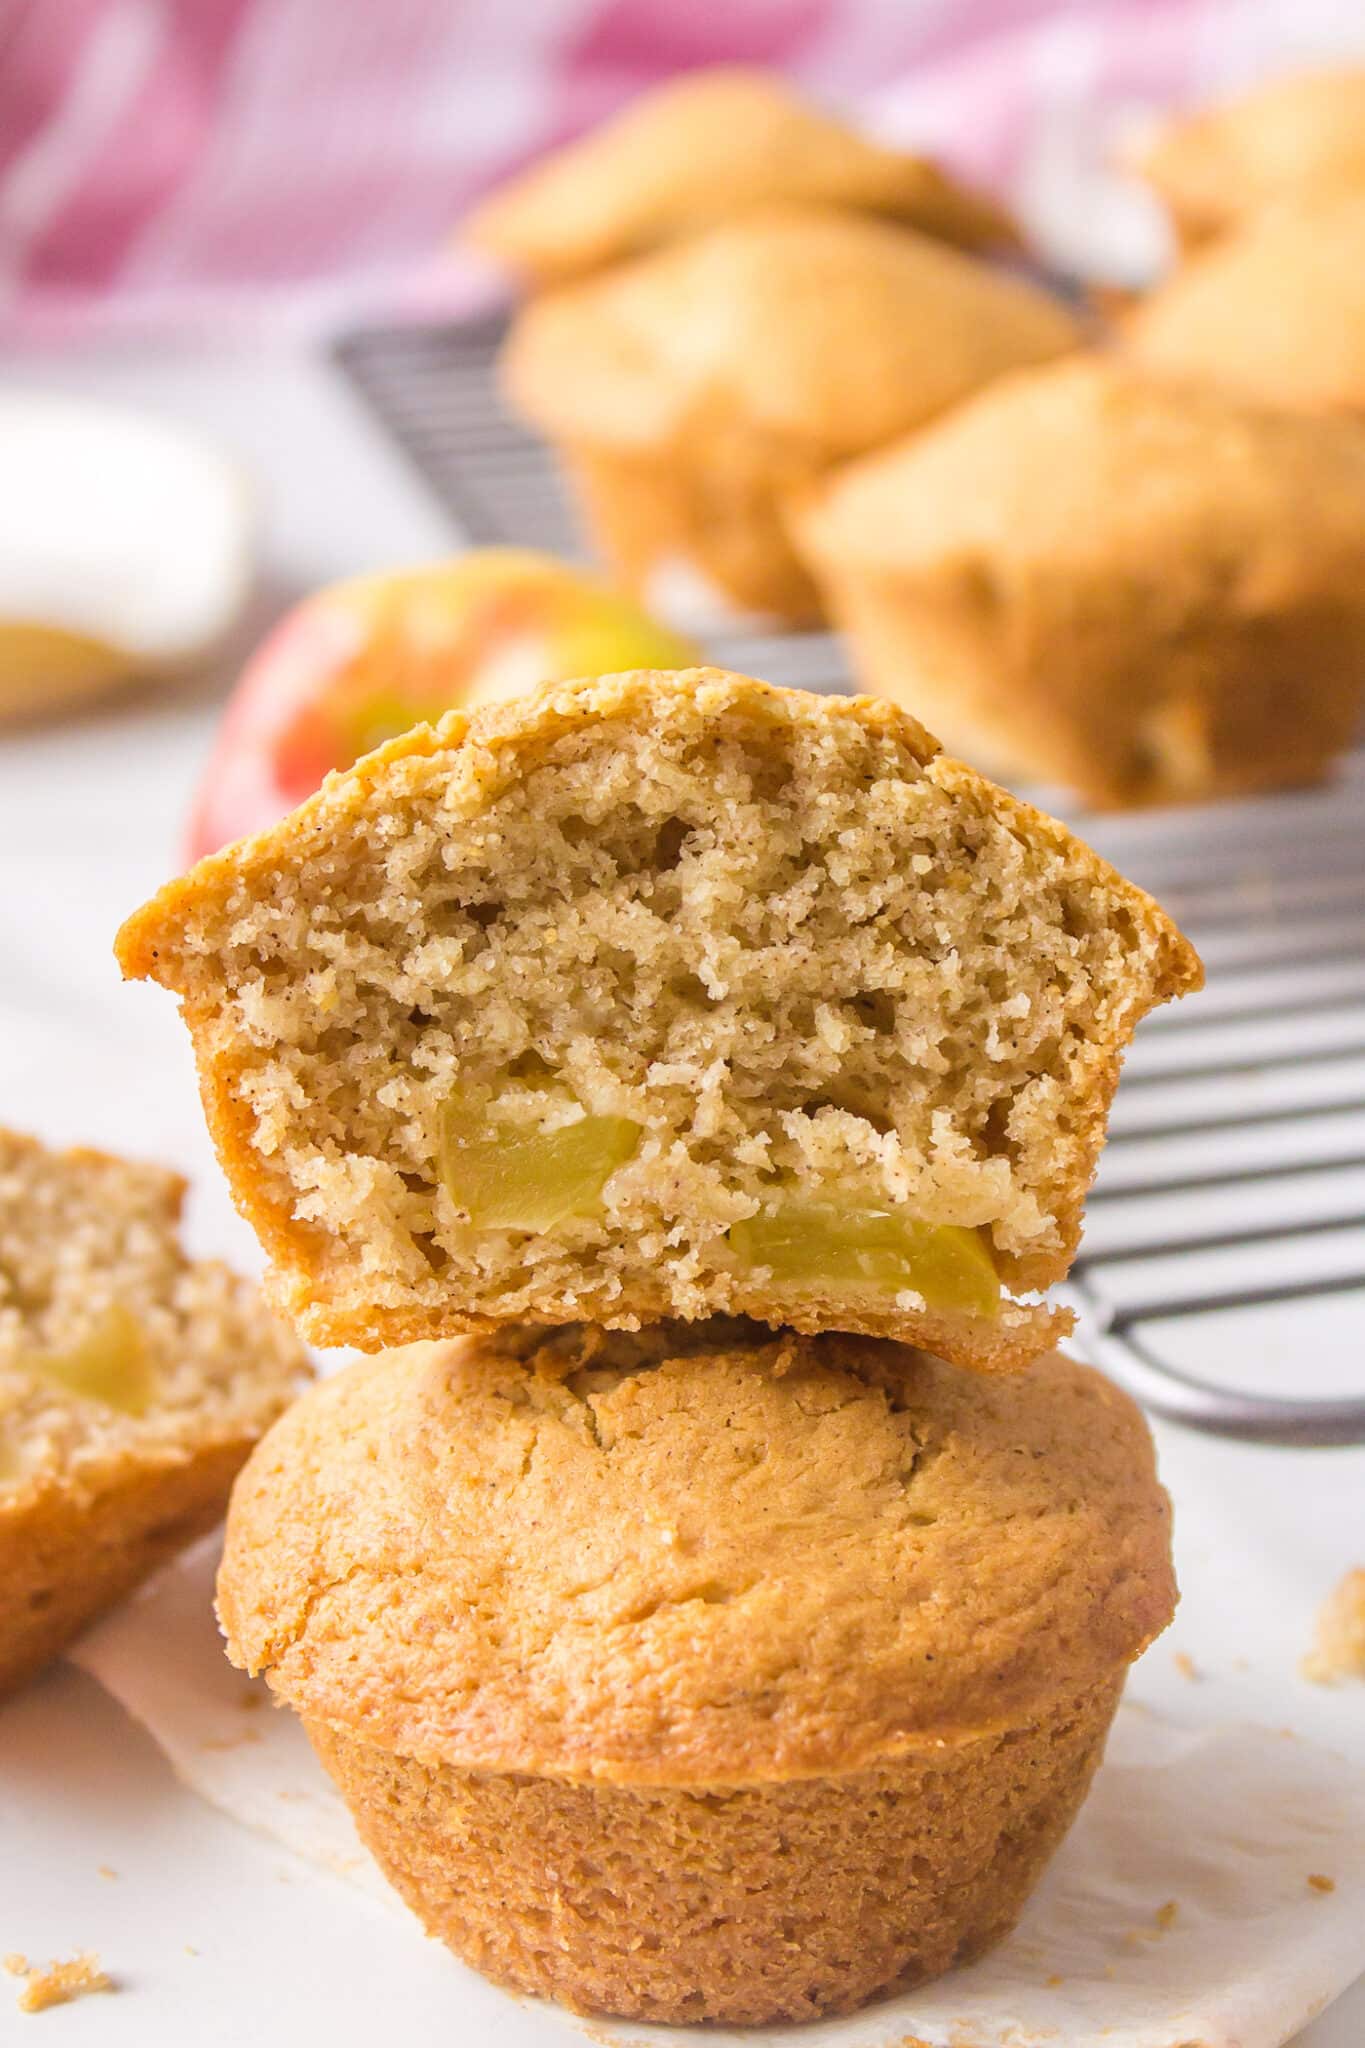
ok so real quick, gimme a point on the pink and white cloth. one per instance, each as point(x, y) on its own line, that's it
point(172, 162)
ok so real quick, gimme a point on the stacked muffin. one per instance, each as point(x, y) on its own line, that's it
point(688, 1640)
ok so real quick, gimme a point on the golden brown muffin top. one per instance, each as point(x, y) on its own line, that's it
point(1275, 312)
point(698, 150)
point(1094, 465)
point(1218, 167)
point(690, 1556)
point(800, 321)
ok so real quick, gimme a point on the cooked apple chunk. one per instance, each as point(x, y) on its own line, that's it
point(107, 1364)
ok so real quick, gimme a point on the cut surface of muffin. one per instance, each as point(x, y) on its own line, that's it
point(133, 1383)
point(703, 1673)
point(1275, 312)
point(697, 391)
point(1100, 576)
point(1221, 165)
point(663, 994)
point(698, 150)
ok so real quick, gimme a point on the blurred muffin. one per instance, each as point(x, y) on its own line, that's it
point(698, 150)
point(1217, 168)
point(695, 392)
point(703, 1674)
point(133, 1383)
point(1143, 589)
point(1276, 312)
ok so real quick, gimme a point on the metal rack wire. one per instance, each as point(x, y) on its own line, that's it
point(1228, 1221)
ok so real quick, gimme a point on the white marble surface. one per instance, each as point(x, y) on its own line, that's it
point(91, 814)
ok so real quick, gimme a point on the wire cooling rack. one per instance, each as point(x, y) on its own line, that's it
point(1222, 1274)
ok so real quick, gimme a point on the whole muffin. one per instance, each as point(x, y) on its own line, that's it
point(1096, 575)
point(699, 149)
point(703, 1673)
point(695, 392)
point(1275, 311)
point(1221, 165)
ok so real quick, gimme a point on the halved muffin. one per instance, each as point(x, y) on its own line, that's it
point(694, 393)
point(1275, 312)
point(1219, 166)
point(704, 1674)
point(698, 150)
point(1095, 576)
point(663, 994)
point(133, 1383)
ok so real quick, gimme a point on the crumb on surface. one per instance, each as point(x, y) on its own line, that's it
point(1339, 1649)
point(1186, 1666)
point(244, 1740)
point(60, 1982)
point(105, 1870)
point(1167, 1915)
point(1053, 1981)
point(1318, 1883)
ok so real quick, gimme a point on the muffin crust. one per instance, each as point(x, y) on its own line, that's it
point(561, 1554)
point(703, 1674)
point(700, 149)
point(1275, 312)
point(1102, 576)
point(1219, 167)
point(697, 392)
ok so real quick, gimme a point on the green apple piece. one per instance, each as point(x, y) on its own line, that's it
point(109, 1364)
point(505, 1178)
point(814, 1245)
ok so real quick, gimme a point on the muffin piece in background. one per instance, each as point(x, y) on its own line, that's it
point(1091, 576)
point(704, 1674)
point(692, 394)
point(1219, 166)
point(1275, 312)
point(699, 150)
point(663, 994)
point(133, 1383)
point(127, 550)
point(1339, 1649)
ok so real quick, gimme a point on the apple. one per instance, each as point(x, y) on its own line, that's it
point(359, 662)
